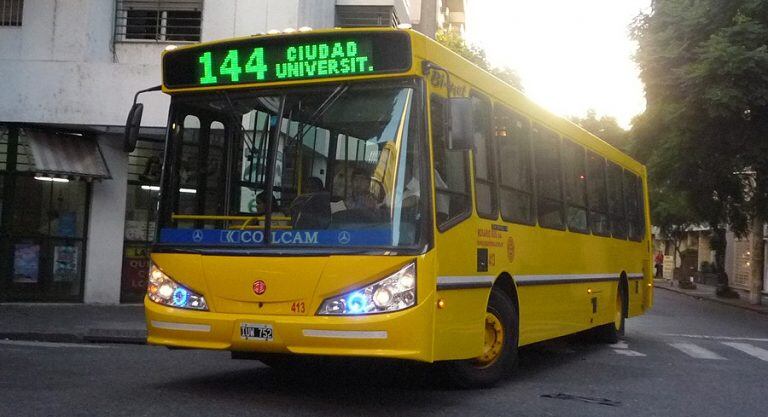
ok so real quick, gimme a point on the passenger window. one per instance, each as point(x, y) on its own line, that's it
point(549, 185)
point(513, 138)
point(616, 209)
point(574, 164)
point(451, 172)
point(485, 177)
point(597, 194)
point(641, 208)
point(632, 202)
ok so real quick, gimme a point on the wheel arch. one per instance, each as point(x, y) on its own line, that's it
point(506, 284)
point(624, 288)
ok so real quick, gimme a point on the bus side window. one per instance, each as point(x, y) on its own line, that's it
point(574, 163)
point(513, 138)
point(597, 195)
point(616, 209)
point(485, 177)
point(641, 208)
point(451, 172)
point(549, 184)
point(631, 200)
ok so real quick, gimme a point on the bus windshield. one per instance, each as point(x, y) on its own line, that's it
point(344, 162)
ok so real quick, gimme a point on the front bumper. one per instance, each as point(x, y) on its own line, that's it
point(406, 334)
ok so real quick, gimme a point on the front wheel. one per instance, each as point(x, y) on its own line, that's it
point(499, 354)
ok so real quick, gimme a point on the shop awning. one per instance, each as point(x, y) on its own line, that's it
point(60, 154)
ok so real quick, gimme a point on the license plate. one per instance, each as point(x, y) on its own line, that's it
point(249, 331)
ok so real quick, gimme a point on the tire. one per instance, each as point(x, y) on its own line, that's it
point(610, 332)
point(480, 372)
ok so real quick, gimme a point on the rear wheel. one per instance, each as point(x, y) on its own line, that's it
point(610, 332)
point(499, 355)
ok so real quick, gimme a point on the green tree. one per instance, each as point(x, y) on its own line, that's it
point(455, 42)
point(605, 127)
point(703, 135)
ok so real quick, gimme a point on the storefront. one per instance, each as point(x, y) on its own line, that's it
point(46, 177)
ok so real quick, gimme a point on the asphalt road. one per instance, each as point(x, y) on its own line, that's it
point(685, 358)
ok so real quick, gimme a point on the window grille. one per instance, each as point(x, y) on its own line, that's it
point(362, 16)
point(158, 20)
point(11, 12)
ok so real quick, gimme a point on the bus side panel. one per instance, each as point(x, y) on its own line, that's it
point(459, 326)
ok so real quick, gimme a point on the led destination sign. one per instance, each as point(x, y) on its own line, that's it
point(287, 58)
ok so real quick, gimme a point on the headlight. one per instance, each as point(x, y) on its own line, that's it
point(163, 290)
point(393, 293)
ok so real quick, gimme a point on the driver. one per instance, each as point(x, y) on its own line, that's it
point(361, 197)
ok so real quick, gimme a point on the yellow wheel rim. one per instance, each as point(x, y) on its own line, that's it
point(494, 341)
point(619, 311)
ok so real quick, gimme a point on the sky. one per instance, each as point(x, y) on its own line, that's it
point(572, 56)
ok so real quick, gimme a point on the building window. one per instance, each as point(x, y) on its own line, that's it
point(11, 12)
point(158, 20)
point(366, 16)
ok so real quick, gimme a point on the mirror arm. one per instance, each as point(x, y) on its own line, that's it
point(146, 90)
point(427, 66)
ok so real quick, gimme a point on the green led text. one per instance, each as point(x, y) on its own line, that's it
point(207, 61)
point(320, 59)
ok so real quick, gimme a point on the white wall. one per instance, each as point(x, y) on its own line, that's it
point(60, 66)
point(104, 249)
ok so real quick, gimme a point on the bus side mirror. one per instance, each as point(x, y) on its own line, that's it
point(460, 124)
point(132, 126)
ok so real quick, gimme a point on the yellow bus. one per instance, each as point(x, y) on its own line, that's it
point(369, 193)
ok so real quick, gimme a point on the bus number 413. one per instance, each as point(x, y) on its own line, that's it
point(298, 307)
point(231, 66)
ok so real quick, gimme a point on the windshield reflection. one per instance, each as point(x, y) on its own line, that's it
point(341, 167)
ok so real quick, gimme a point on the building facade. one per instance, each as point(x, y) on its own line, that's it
point(77, 212)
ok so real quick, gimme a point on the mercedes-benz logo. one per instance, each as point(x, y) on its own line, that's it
point(197, 236)
point(344, 237)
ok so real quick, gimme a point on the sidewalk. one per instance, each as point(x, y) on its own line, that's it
point(707, 292)
point(74, 323)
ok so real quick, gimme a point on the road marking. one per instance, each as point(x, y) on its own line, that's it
point(627, 352)
point(49, 344)
point(755, 351)
point(695, 351)
point(700, 336)
point(620, 345)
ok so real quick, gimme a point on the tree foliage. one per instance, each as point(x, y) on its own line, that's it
point(605, 127)
point(704, 134)
point(455, 42)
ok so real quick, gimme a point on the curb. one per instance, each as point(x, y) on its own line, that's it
point(716, 300)
point(135, 337)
